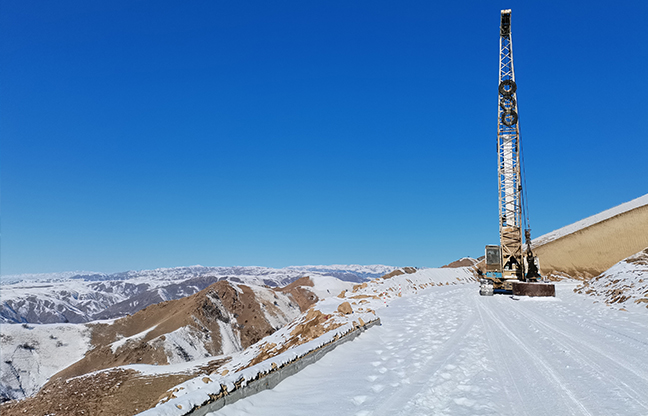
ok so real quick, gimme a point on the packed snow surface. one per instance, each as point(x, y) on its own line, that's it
point(445, 350)
point(589, 221)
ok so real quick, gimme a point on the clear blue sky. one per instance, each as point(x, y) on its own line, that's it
point(145, 134)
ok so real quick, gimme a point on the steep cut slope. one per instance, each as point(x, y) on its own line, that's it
point(589, 247)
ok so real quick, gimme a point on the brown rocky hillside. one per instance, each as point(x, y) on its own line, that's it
point(206, 326)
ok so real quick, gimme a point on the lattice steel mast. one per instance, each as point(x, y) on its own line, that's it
point(508, 154)
point(506, 268)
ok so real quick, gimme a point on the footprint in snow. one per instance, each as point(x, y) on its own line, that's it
point(358, 400)
point(372, 378)
point(463, 401)
point(467, 387)
point(377, 388)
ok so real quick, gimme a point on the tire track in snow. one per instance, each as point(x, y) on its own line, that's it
point(507, 381)
point(585, 353)
point(561, 388)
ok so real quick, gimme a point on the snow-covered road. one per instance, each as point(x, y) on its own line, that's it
point(448, 351)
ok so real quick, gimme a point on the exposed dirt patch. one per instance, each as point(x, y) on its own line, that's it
point(106, 393)
point(621, 283)
point(314, 325)
point(109, 393)
point(398, 272)
point(465, 262)
point(304, 298)
point(345, 308)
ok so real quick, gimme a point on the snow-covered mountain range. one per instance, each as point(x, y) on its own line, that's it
point(85, 296)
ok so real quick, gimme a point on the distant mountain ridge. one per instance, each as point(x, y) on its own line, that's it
point(85, 296)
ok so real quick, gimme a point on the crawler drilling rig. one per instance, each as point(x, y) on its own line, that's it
point(511, 266)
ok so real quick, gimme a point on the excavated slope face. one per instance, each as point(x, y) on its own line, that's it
point(592, 250)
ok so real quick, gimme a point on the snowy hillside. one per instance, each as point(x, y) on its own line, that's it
point(31, 354)
point(624, 285)
point(220, 320)
point(71, 297)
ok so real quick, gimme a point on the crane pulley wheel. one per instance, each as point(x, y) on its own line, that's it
point(507, 87)
point(509, 118)
point(508, 103)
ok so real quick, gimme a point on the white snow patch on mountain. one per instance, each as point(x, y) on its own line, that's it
point(326, 286)
point(282, 302)
point(121, 342)
point(31, 354)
